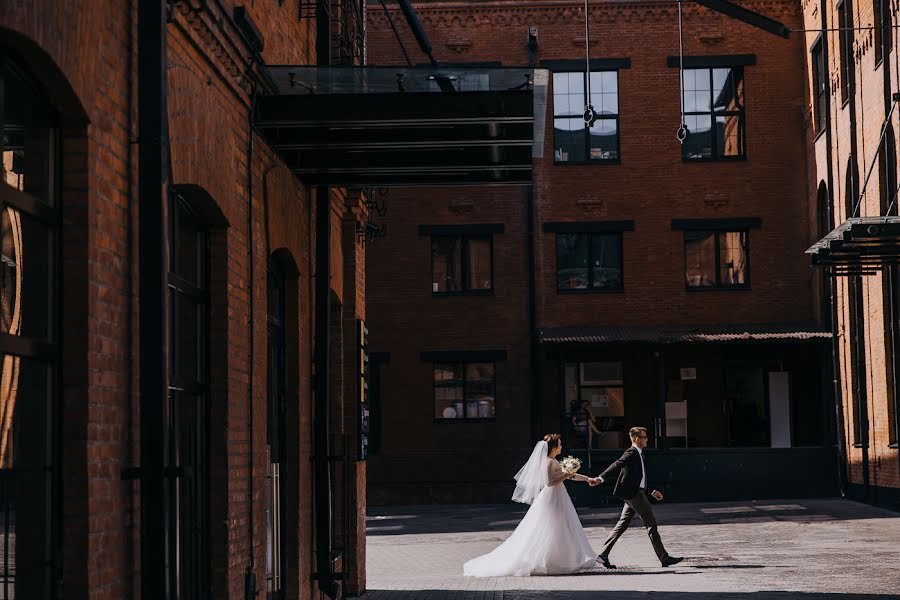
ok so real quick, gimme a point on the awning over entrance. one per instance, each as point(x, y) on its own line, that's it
point(380, 126)
point(859, 246)
point(664, 334)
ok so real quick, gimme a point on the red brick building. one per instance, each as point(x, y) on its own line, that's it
point(852, 125)
point(664, 285)
point(235, 469)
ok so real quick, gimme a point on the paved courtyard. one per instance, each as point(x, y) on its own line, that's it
point(808, 549)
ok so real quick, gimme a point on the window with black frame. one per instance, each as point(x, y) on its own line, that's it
point(188, 393)
point(464, 390)
point(573, 140)
point(462, 264)
point(846, 36)
point(589, 262)
point(717, 259)
point(884, 39)
point(820, 86)
point(714, 114)
point(28, 336)
point(275, 433)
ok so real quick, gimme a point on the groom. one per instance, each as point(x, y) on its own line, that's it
point(631, 487)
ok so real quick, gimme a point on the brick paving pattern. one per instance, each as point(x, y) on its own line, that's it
point(809, 549)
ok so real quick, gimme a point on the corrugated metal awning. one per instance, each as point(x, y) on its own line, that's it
point(678, 334)
point(859, 246)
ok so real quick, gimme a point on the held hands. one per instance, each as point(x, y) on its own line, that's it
point(595, 481)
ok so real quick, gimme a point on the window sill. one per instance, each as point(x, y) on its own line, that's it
point(724, 159)
point(467, 420)
point(721, 288)
point(606, 161)
point(894, 446)
point(619, 290)
point(858, 445)
point(462, 293)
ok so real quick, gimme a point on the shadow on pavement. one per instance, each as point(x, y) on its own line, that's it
point(405, 520)
point(608, 594)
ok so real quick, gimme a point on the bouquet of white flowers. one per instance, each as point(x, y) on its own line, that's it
point(570, 465)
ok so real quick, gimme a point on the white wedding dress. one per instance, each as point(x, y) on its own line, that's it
point(549, 541)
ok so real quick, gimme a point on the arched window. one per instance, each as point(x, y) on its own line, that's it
point(825, 225)
point(28, 334)
point(188, 397)
point(857, 323)
point(276, 439)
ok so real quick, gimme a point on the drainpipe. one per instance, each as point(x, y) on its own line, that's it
point(537, 361)
point(321, 472)
point(153, 249)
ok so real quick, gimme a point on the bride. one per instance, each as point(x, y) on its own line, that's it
point(550, 539)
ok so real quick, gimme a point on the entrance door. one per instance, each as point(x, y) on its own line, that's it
point(746, 410)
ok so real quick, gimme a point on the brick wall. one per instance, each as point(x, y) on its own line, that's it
point(651, 186)
point(868, 108)
point(85, 54)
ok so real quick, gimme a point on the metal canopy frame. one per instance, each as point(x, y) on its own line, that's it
point(859, 246)
point(389, 126)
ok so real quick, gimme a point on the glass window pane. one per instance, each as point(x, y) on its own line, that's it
point(448, 391)
point(571, 261)
point(699, 141)
point(25, 500)
point(601, 373)
point(606, 262)
point(700, 258)
point(188, 247)
point(479, 390)
point(25, 275)
point(479, 255)
point(604, 138)
point(724, 89)
point(187, 338)
point(445, 264)
point(568, 137)
point(729, 135)
point(27, 140)
point(733, 254)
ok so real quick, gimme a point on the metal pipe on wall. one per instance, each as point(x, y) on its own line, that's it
point(153, 248)
point(321, 472)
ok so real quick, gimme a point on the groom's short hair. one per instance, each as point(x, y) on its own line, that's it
point(636, 432)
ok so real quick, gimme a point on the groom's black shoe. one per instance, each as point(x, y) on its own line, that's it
point(602, 560)
point(671, 560)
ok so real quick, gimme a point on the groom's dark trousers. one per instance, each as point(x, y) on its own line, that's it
point(627, 488)
point(641, 505)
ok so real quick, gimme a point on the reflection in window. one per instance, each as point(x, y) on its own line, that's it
point(573, 140)
point(714, 113)
point(595, 394)
point(27, 311)
point(586, 261)
point(461, 264)
point(846, 33)
point(464, 390)
point(717, 259)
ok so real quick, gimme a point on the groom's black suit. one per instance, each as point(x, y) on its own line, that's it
point(628, 488)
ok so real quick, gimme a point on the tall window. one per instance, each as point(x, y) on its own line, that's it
point(464, 390)
point(717, 259)
point(188, 392)
point(589, 261)
point(275, 433)
point(846, 35)
point(714, 114)
point(883, 33)
point(28, 335)
point(574, 141)
point(461, 264)
point(890, 284)
point(820, 86)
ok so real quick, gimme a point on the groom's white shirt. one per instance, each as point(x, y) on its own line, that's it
point(643, 469)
